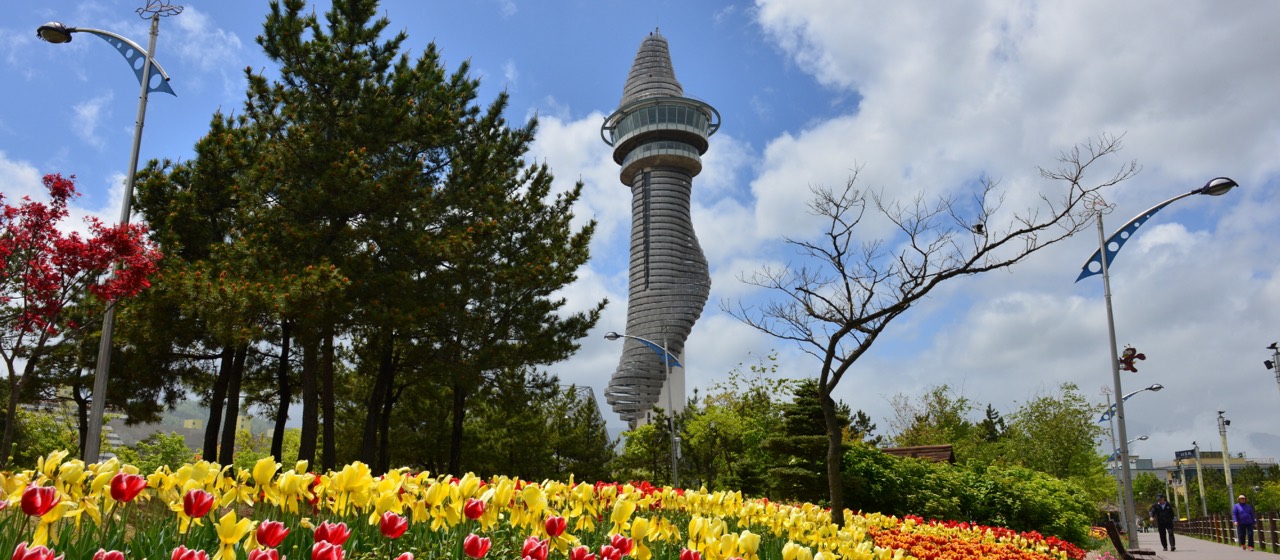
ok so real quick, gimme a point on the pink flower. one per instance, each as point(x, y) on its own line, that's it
point(323, 550)
point(125, 487)
point(475, 546)
point(271, 533)
point(535, 549)
point(582, 553)
point(474, 509)
point(33, 553)
point(182, 553)
point(392, 525)
point(555, 526)
point(335, 533)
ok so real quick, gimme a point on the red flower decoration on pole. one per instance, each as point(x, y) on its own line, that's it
point(271, 533)
point(475, 546)
point(392, 525)
point(197, 503)
point(125, 487)
point(38, 500)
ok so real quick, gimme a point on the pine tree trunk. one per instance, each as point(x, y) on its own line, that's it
point(329, 458)
point(310, 403)
point(284, 392)
point(455, 436)
point(377, 397)
point(227, 453)
point(217, 396)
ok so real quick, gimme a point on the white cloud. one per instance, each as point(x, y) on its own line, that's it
point(957, 92)
point(87, 115)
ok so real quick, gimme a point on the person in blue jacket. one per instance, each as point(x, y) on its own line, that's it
point(1242, 516)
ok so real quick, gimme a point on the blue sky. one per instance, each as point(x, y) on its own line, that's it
point(925, 97)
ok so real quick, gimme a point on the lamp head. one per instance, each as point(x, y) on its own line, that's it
point(1273, 346)
point(1217, 187)
point(1155, 387)
point(612, 336)
point(1143, 438)
point(54, 32)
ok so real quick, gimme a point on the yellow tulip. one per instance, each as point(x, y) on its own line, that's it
point(622, 510)
point(265, 470)
point(748, 544)
point(230, 531)
point(639, 533)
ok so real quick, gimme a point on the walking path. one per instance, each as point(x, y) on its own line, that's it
point(1192, 548)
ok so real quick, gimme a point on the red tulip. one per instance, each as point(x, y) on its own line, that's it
point(264, 554)
point(581, 553)
point(623, 544)
point(38, 500)
point(182, 553)
point(474, 509)
point(125, 487)
point(271, 533)
point(332, 533)
point(323, 550)
point(405, 556)
point(608, 552)
point(108, 554)
point(555, 526)
point(475, 546)
point(535, 549)
point(686, 554)
point(392, 525)
point(197, 503)
point(33, 553)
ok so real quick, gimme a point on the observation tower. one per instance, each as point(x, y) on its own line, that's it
point(658, 137)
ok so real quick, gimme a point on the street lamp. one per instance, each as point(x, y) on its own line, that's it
point(1226, 456)
point(1204, 506)
point(667, 361)
point(56, 32)
point(1109, 417)
point(1107, 250)
point(1274, 362)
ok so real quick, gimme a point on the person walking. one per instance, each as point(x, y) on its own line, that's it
point(1162, 515)
point(1242, 516)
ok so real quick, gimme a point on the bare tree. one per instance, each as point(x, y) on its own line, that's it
point(845, 293)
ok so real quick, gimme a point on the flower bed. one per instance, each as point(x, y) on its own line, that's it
point(109, 511)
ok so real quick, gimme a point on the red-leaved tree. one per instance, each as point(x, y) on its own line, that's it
point(45, 270)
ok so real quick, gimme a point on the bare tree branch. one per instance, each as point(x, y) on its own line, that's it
point(846, 291)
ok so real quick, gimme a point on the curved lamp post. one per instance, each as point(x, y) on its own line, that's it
point(667, 360)
point(56, 32)
point(1109, 417)
point(1107, 250)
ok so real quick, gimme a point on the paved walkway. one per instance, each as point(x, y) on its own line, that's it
point(1191, 548)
